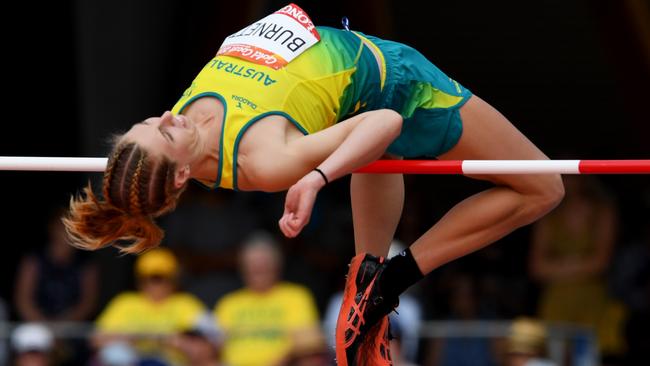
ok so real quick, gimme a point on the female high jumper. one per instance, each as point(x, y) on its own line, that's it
point(285, 105)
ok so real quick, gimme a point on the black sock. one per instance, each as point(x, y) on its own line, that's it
point(401, 272)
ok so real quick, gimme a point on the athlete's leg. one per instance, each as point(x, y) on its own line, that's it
point(377, 202)
point(516, 200)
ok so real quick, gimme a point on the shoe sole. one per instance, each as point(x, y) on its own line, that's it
point(348, 302)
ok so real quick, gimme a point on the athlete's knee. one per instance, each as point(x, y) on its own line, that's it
point(393, 118)
point(548, 193)
point(553, 191)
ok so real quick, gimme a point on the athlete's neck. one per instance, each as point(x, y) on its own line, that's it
point(207, 114)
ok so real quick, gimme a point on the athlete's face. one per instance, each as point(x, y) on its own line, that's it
point(173, 136)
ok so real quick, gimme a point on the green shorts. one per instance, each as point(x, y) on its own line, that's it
point(428, 100)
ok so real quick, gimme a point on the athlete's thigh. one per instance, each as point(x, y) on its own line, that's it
point(488, 135)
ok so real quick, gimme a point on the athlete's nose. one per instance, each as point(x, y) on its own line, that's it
point(166, 118)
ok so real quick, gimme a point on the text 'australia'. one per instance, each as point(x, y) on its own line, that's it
point(242, 71)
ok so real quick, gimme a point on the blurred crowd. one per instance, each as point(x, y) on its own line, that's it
point(224, 290)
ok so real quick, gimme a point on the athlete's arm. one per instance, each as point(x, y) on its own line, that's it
point(275, 163)
point(366, 141)
point(339, 154)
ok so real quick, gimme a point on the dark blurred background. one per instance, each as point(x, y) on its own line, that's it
point(573, 75)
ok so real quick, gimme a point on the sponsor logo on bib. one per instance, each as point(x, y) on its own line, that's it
point(275, 40)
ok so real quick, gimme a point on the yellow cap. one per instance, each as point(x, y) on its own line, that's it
point(527, 336)
point(156, 262)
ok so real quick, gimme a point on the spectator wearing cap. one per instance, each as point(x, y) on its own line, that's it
point(526, 343)
point(260, 319)
point(58, 283)
point(32, 345)
point(117, 353)
point(153, 313)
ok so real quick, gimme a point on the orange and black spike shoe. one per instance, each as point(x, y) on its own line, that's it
point(362, 326)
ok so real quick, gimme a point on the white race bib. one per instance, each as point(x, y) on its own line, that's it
point(274, 40)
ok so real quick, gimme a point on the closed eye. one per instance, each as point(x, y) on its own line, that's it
point(166, 134)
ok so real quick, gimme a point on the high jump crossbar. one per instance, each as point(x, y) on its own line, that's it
point(60, 164)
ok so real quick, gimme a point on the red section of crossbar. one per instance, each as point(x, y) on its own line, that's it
point(614, 166)
point(414, 167)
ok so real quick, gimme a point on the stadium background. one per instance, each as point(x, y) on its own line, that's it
point(572, 75)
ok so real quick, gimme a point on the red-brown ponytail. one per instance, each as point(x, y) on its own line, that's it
point(136, 189)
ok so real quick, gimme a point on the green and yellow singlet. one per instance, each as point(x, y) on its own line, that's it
point(338, 76)
point(318, 76)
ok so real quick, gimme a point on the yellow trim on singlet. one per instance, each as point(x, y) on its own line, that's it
point(381, 60)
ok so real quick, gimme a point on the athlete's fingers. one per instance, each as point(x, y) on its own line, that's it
point(306, 205)
point(289, 209)
point(282, 224)
point(298, 205)
point(294, 224)
point(301, 218)
point(284, 227)
point(288, 226)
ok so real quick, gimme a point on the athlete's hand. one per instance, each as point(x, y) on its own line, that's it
point(299, 203)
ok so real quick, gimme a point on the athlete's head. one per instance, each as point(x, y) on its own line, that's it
point(146, 172)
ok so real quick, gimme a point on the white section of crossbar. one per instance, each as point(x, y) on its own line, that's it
point(54, 164)
point(521, 166)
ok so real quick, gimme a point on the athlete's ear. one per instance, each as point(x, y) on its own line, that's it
point(181, 176)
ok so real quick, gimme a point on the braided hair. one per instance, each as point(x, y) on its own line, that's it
point(136, 189)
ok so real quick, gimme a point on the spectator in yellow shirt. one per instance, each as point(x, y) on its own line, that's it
point(155, 312)
point(259, 320)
